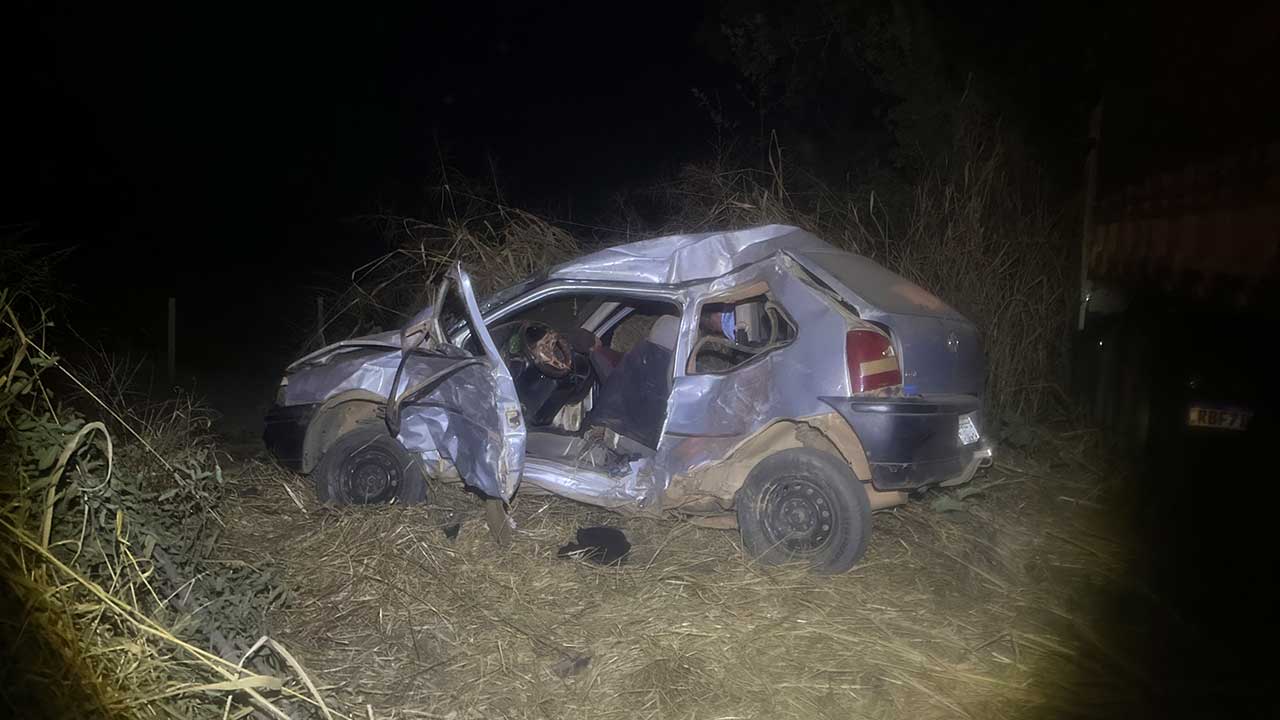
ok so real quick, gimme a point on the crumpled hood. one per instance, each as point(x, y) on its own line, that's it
point(391, 339)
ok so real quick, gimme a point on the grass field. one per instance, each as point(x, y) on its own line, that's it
point(990, 600)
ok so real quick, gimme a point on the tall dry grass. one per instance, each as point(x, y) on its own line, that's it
point(117, 597)
point(982, 234)
point(498, 245)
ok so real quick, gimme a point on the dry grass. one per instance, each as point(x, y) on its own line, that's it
point(985, 612)
point(499, 246)
point(111, 606)
point(981, 235)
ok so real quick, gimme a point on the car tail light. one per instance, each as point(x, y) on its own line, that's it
point(873, 364)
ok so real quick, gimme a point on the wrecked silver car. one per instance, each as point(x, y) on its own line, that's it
point(759, 375)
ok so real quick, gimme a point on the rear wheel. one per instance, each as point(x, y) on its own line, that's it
point(367, 467)
point(804, 505)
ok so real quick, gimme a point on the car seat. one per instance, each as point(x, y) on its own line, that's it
point(633, 399)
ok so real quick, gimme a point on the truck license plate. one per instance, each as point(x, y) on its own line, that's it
point(1218, 417)
point(968, 430)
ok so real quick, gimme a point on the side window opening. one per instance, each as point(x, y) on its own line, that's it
point(731, 334)
point(563, 312)
point(636, 326)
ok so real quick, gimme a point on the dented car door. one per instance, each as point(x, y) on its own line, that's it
point(454, 405)
point(510, 425)
point(484, 432)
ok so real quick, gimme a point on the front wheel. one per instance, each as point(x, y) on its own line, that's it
point(804, 505)
point(367, 467)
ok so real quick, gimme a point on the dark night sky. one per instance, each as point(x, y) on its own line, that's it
point(176, 130)
point(193, 151)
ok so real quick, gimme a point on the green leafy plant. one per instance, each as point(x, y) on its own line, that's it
point(111, 550)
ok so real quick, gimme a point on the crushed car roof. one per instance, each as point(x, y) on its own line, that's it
point(677, 259)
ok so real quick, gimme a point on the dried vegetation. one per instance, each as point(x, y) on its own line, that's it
point(118, 599)
point(974, 603)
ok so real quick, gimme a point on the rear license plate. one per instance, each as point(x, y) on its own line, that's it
point(968, 430)
point(1218, 417)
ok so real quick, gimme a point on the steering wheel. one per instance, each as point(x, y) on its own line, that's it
point(546, 349)
point(548, 372)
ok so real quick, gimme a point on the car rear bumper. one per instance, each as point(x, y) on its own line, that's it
point(286, 429)
point(915, 442)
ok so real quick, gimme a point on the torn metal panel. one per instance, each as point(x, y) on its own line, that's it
point(631, 490)
point(455, 420)
point(712, 469)
point(471, 419)
point(506, 403)
point(389, 339)
point(709, 414)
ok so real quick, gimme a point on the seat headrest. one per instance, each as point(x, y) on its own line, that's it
point(664, 331)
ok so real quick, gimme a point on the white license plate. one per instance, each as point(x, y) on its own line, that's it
point(968, 430)
point(1218, 417)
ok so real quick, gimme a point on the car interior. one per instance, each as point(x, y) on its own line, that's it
point(731, 334)
point(594, 373)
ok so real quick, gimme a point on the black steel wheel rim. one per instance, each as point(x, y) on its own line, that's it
point(371, 475)
point(799, 516)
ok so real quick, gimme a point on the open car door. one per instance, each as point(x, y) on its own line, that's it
point(466, 410)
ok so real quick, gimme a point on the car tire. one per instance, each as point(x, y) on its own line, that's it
point(368, 467)
point(804, 505)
